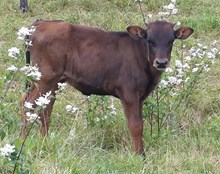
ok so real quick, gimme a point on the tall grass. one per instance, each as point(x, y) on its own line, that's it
point(191, 145)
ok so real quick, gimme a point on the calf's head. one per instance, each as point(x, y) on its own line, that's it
point(159, 37)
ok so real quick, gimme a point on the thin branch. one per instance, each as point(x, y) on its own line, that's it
point(142, 13)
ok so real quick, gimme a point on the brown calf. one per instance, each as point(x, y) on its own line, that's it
point(127, 65)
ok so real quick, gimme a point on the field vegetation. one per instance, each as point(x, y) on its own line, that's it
point(89, 134)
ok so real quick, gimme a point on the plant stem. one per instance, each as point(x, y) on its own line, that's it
point(22, 145)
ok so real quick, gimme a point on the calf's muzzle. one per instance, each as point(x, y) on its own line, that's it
point(161, 63)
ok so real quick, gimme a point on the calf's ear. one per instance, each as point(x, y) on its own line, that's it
point(136, 32)
point(183, 32)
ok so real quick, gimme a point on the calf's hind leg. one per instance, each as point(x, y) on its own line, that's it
point(36, 91)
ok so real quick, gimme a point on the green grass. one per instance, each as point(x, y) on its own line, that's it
point(192, 145)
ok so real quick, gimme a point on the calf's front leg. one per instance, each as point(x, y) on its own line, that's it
point(133, 112)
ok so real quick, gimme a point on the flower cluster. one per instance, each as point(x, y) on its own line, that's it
point(28, 105)
point(12, 68)
point(32, 72)
point(44, 100)
point(61, 87)
point(70, 108)
point(203, 51)
point(24, 32)
point(169, 9)
point(31, 117)
point(41, 102)
point(198, 60)
point(179, 82)
point(13, 52)
point(7, 150)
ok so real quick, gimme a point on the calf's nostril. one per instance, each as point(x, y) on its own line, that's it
point(161, 62)
point(165, 63)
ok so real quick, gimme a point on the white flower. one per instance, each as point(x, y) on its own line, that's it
point(52, 135)
point(149, 16)
point(31, 117)
point(178, 81)
point(61, 86)
point(178, 64)
point(197, 52)
point(169, 70)
point(13, 52)
point(174, 11)
point(23, 32)
point(199, 44)
point(138, 0)
point(192, 49)
point(195, 69)
point(36, 75)
point(162, 14)
point(44, 100)
point(74, 109)
point(206, 68)
point(186, 66)
point(28, 43)
point(163, 83)
point(173, 1)
point(172, 80)
point(47, 95)
point(178, 23)
point(214, 50)
point(173, 94)
point(187, 58)
point(28, 105)
point(180, 73)
point(214, 42)
point(70, 108)
point(205, 47)
point(12, 68)
point(210, 55)
point(32, 71)
point(171, 6)
point(7, 150)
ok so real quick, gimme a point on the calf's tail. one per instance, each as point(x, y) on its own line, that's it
point(28, 57)
point(23, 99)
point(28, 61)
